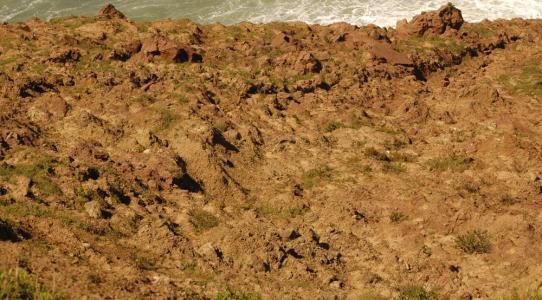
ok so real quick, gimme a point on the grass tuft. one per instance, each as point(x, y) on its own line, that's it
point(332, 126)
point(476, 241)
point(202, 220)
point(452, 163)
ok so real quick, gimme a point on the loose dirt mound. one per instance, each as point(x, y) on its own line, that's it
point(171, 159)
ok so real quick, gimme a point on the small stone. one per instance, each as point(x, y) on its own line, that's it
point(94, 209)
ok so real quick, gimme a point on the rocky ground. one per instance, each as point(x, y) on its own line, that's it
point(171, 159)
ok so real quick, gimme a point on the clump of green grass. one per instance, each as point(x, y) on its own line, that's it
point(415, 292)
point(476, 241)
point(233, 294)
point(202, 220)
point(167, 118)
point(38, 174)
point(453, 163)
point(316, 176)
point(397, 217)
point(332, 126)
point(18, 284)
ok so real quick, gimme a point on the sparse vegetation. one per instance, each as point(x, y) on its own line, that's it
point(527, 82)
point(414, 44)
point(450, 163)
point(394, 167)
point(316, 176)
point(17, 284)
point(234, 294)
point(388, 156)
point(39, 173)
point(167, 118)
point(202, 220)
point(397, 217)
point(415, 292)
point(476, 241)
point(332, 126)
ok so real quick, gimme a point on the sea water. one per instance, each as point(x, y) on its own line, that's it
point(359, 12)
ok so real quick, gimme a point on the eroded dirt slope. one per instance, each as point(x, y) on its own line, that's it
point(285, 161)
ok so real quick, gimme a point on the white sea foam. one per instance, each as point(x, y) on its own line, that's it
point(360, 12)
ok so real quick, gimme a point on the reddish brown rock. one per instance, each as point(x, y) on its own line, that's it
point(383, 52)
point(303, 63)
point(435, 22)
point(169, 50)
point(111, 12)
point(65, 55)
point(281, 40)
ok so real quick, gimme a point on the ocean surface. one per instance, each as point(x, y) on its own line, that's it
point(360, 12)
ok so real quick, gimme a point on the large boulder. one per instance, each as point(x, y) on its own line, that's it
point(434, 22)
point(111, 12)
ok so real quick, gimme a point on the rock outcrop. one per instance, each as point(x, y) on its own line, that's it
point(109, 11)
point(437, 22)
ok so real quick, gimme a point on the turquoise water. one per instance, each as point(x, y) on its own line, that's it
point(380, 12)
